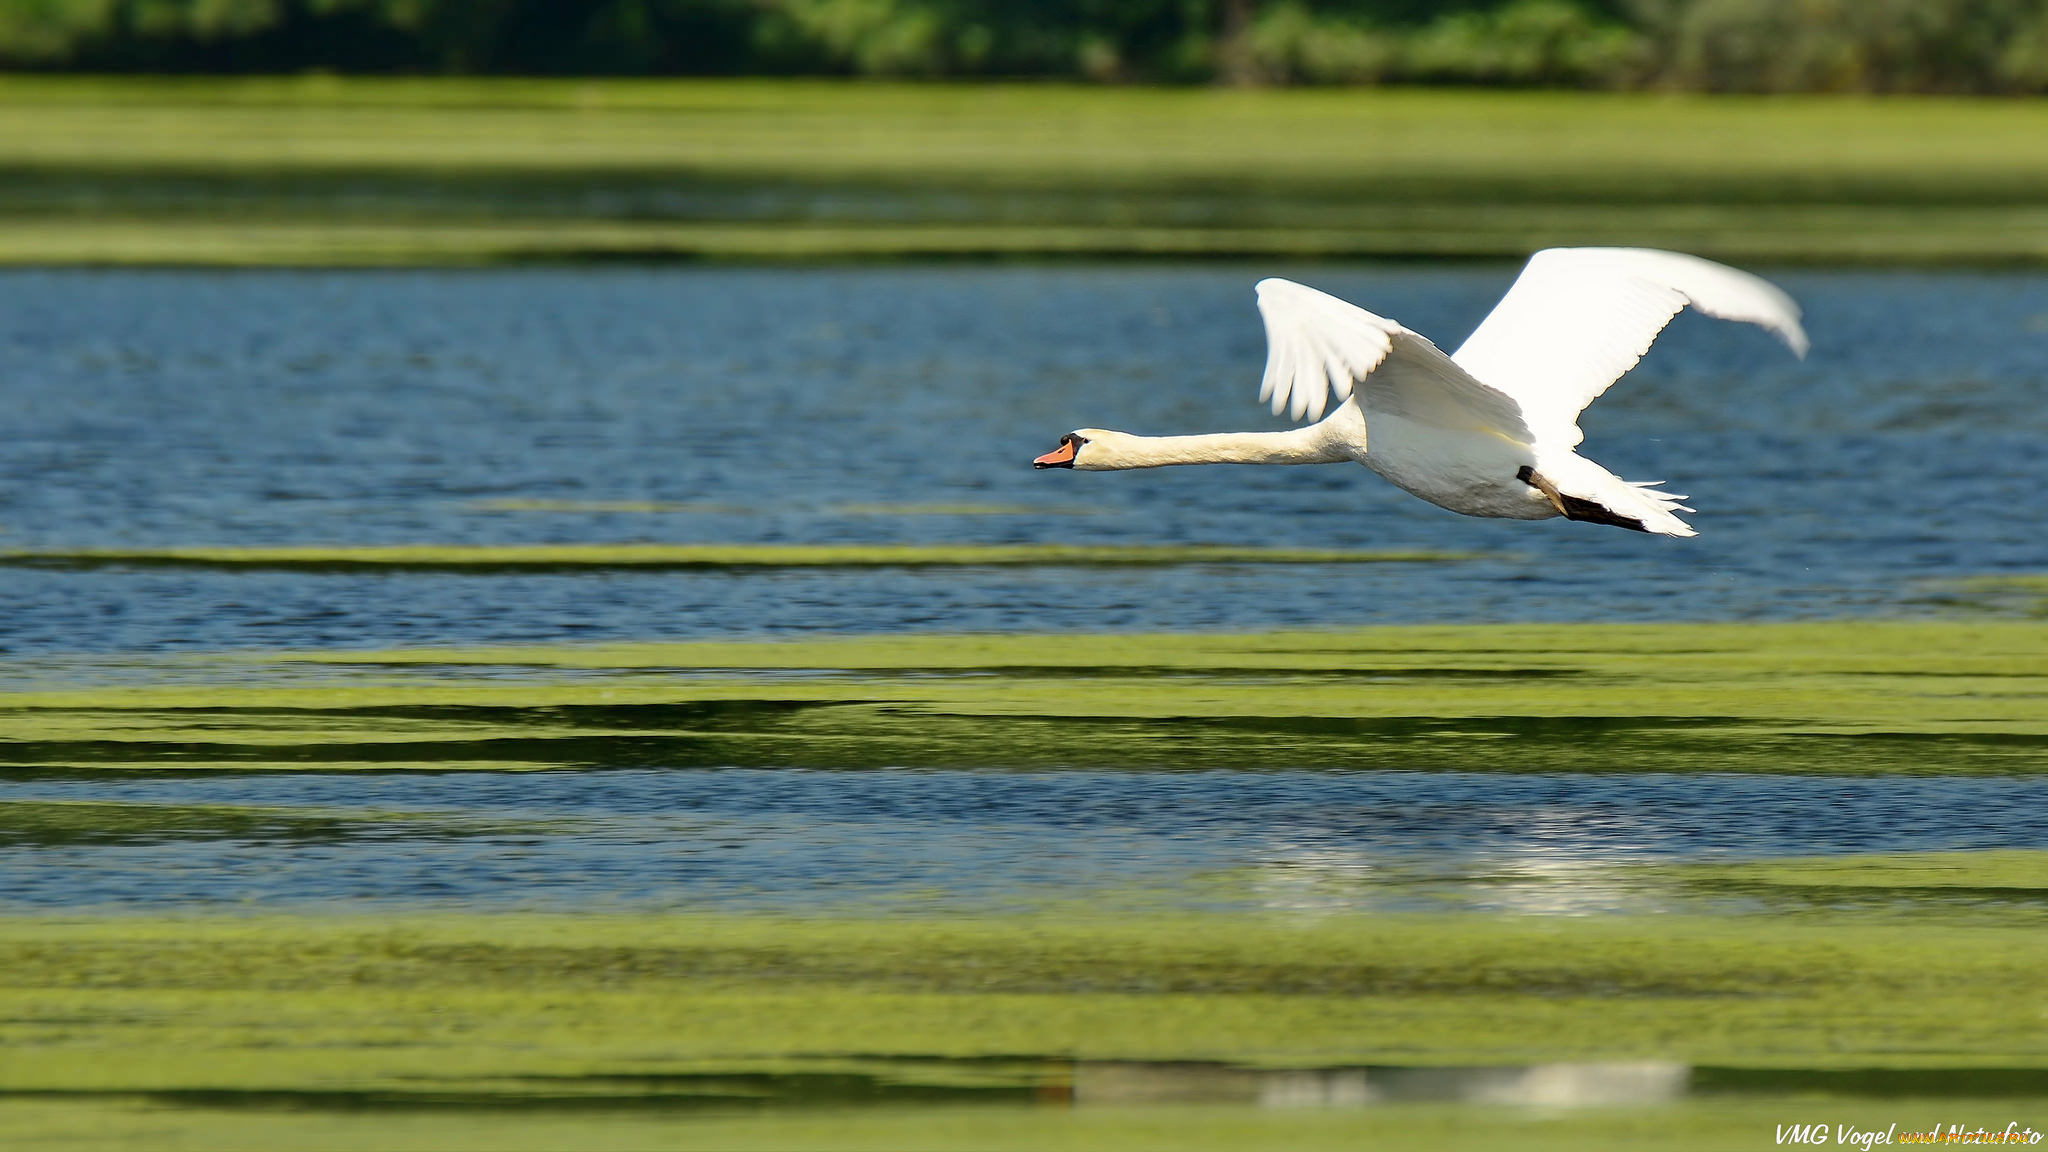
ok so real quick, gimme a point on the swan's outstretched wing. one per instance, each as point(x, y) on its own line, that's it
point(1578, 318)
point(1318, 346)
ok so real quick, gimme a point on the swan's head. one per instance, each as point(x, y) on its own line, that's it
point(1087, 449)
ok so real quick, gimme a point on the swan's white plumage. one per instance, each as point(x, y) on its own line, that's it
point(1318, 346)
point(1575, 475)
point(1489, 431)
point(1577, 319)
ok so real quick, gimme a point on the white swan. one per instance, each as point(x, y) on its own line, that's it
point(1489, 430)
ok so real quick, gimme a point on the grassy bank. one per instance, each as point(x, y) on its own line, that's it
point(420, 171)
point(1858, 697)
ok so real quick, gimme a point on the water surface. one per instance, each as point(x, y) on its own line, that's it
point(902, 404)
point(820, 841)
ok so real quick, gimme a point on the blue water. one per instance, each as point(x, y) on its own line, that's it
point(853, 405)
point(808, 405)
point(898, 840)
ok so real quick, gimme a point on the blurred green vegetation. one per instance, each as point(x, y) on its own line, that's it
point(1714, 1125)
point(322, 170)
point(461, 1030)
point(2018, 874)
point(1851, 697)
point(2024, 594)
point(53, 823)
point(1721, 45)
point(1818, 987)
point(510, 1004)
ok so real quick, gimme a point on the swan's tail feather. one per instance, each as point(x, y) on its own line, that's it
point(1671, 499)
point(1583, 490)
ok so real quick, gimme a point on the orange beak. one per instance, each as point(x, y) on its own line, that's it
point(1060, 457)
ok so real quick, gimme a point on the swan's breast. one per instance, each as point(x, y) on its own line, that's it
point(1465, 471)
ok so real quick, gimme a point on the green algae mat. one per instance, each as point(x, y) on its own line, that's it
point(68, 823)
point(1734, 997)
point(479, 1004)
point(422, 171)
point(1851, 697)
point(1194, 1031)
point(1183, 1127)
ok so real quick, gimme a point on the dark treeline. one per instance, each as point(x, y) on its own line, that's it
point(1715, 45)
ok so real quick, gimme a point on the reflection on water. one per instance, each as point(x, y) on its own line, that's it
point(1533, 878)
point(1313, 842)
point(900, 405)
point(1547, 1085)
point(1108, 1084)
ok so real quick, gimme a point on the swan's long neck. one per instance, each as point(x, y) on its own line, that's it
point(1108, 451)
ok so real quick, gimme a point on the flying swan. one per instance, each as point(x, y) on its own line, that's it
point(1490, 429)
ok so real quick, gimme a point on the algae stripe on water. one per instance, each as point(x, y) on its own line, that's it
point(1327, 1124)
point(1851, 697)
point(285, 1002)
point(2017, 874)
point(54, 823)
point(572, 557)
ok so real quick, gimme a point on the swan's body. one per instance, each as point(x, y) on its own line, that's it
point(1492, 429)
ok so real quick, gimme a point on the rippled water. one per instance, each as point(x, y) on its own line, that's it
point(903, 405)
point(869, 404)
point(809, 840)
